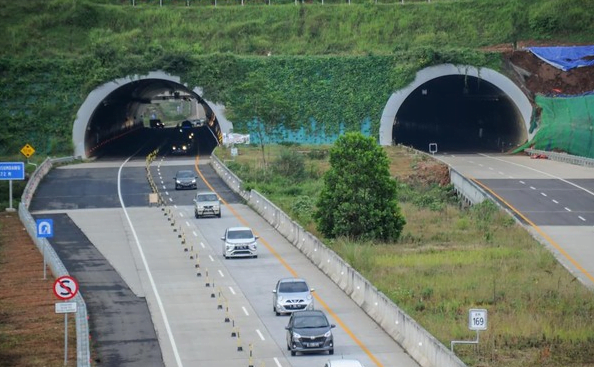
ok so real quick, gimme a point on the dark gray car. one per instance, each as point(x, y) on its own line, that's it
point(185, 179)
point(309, 331)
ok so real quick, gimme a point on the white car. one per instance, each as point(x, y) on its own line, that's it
point(207, 203)
point(239, 242)
point(343, 363)
point(290, 295)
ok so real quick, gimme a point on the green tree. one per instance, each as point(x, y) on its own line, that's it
point(359, 198)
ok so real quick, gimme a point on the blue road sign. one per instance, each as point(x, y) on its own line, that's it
point(12, 171)
point(45, 228)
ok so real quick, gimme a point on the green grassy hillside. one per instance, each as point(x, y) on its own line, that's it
point(337, 63)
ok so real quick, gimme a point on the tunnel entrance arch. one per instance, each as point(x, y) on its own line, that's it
point(118, 106)
point(463, 106)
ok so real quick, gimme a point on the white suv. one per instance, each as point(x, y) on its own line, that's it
point(207, 203)
point(239, 242)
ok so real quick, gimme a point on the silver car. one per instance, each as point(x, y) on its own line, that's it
point(239, 242)
point(207, 203)
point(291, 294)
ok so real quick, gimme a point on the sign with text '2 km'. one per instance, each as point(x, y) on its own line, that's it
point(65, 287)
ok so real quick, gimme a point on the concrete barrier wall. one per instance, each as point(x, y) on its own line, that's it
point(421, 345)
point(83, 351)
point(470, 191)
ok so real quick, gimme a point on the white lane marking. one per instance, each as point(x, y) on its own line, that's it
point(148, 270)
point(566, 208)
point(543, 194)
point(511, 177)
point(187, 223)
point(481, 165)
point(180, 214)
point(170, 199)
point(221, 273)
point(210, 257)
point(232, 290)
point(195, 234)
point(164, 187)
point(166, 192)
point(245, 311)
point(532, 187)
point(277, 362)
point(471, 162)
point(541, 172)
point(555, 201)
point(522, 182)
point(202, 244)
point(582, 218)
point(501, 173)
point(490, 168)
point(260, 335)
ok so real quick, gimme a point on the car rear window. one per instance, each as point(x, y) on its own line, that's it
point(185, 174)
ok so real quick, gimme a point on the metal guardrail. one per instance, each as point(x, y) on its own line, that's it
point(562, 157)
point(83, 350)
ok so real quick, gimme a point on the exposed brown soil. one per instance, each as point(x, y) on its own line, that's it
point(537, 77)
point(31, 333)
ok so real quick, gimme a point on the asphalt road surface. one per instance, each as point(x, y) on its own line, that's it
point(156, 275)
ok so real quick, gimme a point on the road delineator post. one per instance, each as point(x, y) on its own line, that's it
point(251, 360)
point(227, 318)
point(233, 332)
point(219, 303)
point(207, 279)
point(239, 347)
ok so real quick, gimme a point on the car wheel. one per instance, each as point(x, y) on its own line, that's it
point(293, 353)
point(219, 215)
point(196, 215)
point(276, 312)
point(288, 347)
point(331, 351)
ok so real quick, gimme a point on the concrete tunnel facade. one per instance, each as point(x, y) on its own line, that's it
point(405, 114)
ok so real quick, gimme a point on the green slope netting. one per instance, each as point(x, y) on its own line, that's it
point(566, 124)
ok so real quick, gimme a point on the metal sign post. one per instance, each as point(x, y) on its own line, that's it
point(65, 288)
point(477, 320)
point(45, 228)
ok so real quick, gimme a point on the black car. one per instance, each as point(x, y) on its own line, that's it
point(309, 331)
point(185, 179)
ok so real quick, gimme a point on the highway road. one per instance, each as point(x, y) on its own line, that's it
point(167, 266)
point(554, 200)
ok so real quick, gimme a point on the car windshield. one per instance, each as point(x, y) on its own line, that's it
point(185, 174)
point(293, 287)
point(242, 234)
point(208, 197)
point(310, 322)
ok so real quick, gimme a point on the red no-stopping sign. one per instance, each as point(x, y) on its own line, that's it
point(65, 287)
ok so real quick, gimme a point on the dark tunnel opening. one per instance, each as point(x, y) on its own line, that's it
point(142, 116)
point(459, 114)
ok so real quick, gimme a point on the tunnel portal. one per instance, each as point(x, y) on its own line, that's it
point(115, 119)
point(457, 109)
point(458, 113)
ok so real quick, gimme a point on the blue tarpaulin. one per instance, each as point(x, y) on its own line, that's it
point(565, 57)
